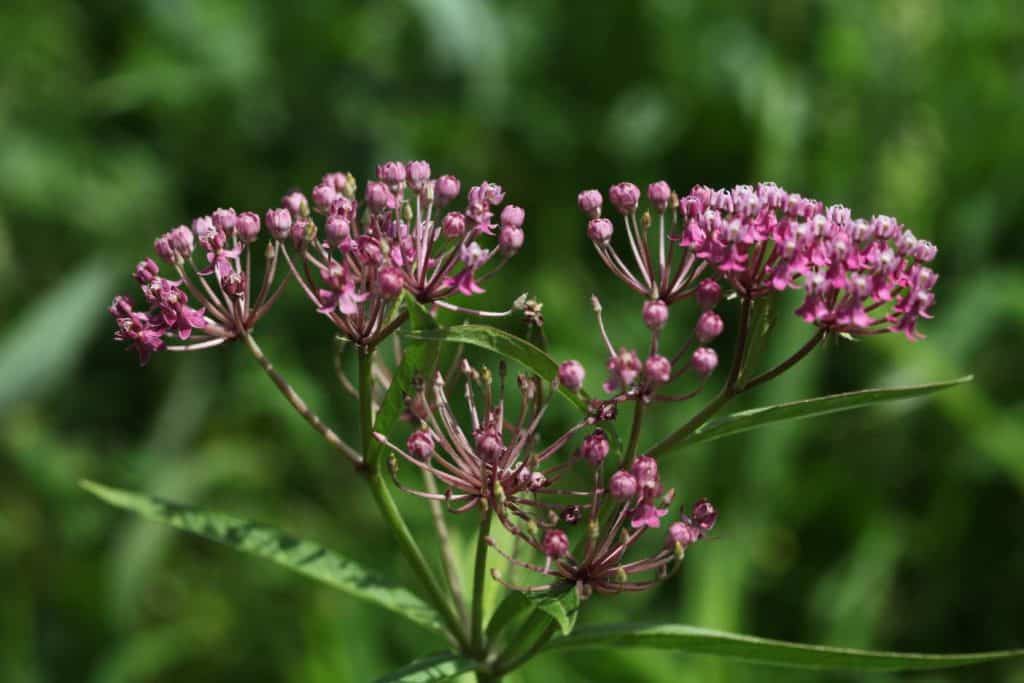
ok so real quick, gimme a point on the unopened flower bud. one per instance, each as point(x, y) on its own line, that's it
point(590, 202)
point(203, 228)
point(704, 515)
point(488, 444)
point(146, 271)
point(379, 197)
point(658, 369)
point(296, 203)
point(645, 469)
point(279, 223)
point(709, 326)
point(704, 360)
point(337, 180)
point(709, 293)
point(337, 229)
point(248, 226)
point(420, 444)
point(556, 544)
point(625, 197)
point(391, 172)
point(390, 282)
point(446, 188)
point(183, 240)
point(324, 195)
point(655, 314)
point(510, 239)
point(659, 194)
point(121, 306)
point(513, 215)
point(622, 485)
point(164, 249)
point(418, 173)
point(595, 447)
point(453, 224)
point(682, 534)
point(600, 230)
point(225, 219)
point(571, 375)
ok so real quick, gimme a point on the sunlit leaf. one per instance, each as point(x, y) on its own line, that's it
point(812, 407)
point(304, 557)
point(700, 641)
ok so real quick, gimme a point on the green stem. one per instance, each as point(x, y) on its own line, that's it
point(634, 434)
point(505, 666)
point(390, 511)
point(479, 571)
point(799, 355)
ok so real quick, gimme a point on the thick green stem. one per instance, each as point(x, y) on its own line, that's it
point(479, 572)
point(390, 511)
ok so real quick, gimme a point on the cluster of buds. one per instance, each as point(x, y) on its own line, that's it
point(661, 271)
point(859, 276)
point(496, 463)
point(367, 253)
point(619, 515)
point(223, 286)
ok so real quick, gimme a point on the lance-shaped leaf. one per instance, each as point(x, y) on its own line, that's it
point(304, 557)
point(561, 604)
point(796, 410)
point(428, 669)
point(700, 641)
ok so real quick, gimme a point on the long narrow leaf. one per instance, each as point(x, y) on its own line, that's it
point(693, 640)
point(436, 668)
point(812, 407)
point(304, 557)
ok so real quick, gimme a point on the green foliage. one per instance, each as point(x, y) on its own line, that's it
point(700, 641)
point(305, 557)
point(437, 668)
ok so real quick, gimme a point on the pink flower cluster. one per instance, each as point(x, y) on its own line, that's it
point(222, 285)
point(859, 276)
point(395, 240)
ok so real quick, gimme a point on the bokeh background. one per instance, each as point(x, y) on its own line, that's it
point(896, 527)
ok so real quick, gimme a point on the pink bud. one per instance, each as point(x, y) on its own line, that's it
point(590, 202)
point(390, 282)
point(682, 534)
point(446, 188)
point(625, 197)
point(146, 271)
point(337, 180)
point(571, 375)
point(709, 326)
point(183, 240)
point(454, 224)
point(203, 228)
point(279, 223)
point(659, 194)
point(709, 293)
point(337, 229)
point(704, 515)
point(391, 172)
point(658, 369)
point(600, 230)
point(248, 226)
point(488, 443)
point(510, 238)
point(645, 469)
point(622, 485)
point(704, 360)
point(595, 447)
point(324, 195)
point(418, 173)
point(164, 249)
point(513, 215)
point(379, 197)
point(295, 202)
point(420, 444)
point(655, 314)
point(556, 544)
point(225, 219)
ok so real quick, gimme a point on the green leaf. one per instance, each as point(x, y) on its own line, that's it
point(436, 668)
point(504, 344)
point(561, 603)
point(304, 557)
point(812, 407)
point(417, 359)
point(700, 641)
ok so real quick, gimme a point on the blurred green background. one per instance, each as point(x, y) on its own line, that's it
point(896, 527)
